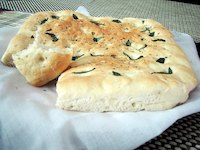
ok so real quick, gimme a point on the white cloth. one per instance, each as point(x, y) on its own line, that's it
point(29, 119)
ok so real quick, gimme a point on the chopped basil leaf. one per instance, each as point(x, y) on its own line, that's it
point(169, 72)
point(75, 17)
point(97, 39)
point(162, 40)
point(76, 57)
point(128, 43)
point(139, 57)
point(49, 29)
point(95, 55)
point(127, 56)
point(152, 34)
point(53, 36)
point(146, 29)
point(161, 60)
point(81, 72)
point(116, 21)
point(142, 21)
point(97, 23)
point(54, 17)
point(43, 21)
point(132, 58)
point(142, 47)
point(32, 36)
point(116, 73)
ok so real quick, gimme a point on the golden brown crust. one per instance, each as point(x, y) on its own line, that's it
point(125, 64)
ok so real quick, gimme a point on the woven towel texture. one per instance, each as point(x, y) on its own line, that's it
point(182, 17)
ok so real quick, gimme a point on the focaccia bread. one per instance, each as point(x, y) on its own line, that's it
point(36, 51)
point(124, 65)
point(110, 64)
point(27, 33)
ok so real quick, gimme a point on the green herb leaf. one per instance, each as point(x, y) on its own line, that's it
point(142, 47)
point(49, 30)
point(75, 17)
point(53, 36)
point(128, 43)
point(43, 21)
point(95, 55)
point(169, 72)
point(96, 23)
point(152, 34)
point(132, 58)
point(116, 21)
point(54, 17)
point(139, 57)
point(143, 21)
point(32, 36)
point(76, 57)
point(116, 73)
point(161, 60)
point(97, 39)
point(147, 29)
point(162, 40)
point(81, 72)
point(127, 56)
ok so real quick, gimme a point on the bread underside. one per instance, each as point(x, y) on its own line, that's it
point(106, 64)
